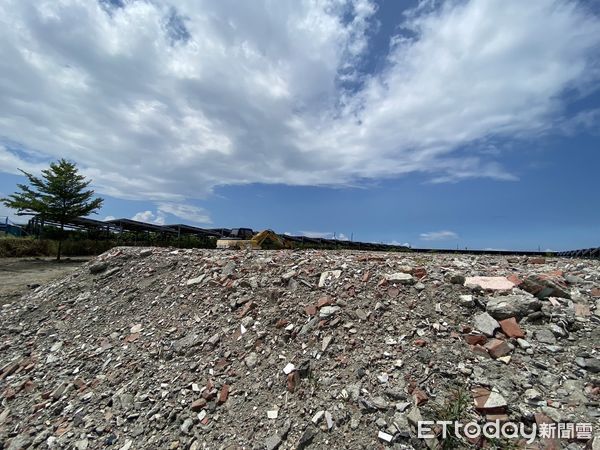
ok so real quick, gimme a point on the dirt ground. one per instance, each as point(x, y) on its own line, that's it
point(18, 274)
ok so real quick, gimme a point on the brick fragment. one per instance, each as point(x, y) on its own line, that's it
point(310, 310)
point(514, 279)
point(475, 339)
point(480, 350)
point(488, 401)
point(497, 348)
point(538, 260)
point(248, 306)
point(324, 301)
point(281, 323)
point(293, 380)
point(511, 328)
point(223, 394)
point(419, 272)
point(419, 396)
point(198, 405)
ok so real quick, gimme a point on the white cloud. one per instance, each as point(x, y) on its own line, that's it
point(395, 242)
point(149, 217)
point(107, 218)
point(438, 236)
point(187, 212)
point(256, 93)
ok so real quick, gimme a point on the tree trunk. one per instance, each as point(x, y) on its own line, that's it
point(60, 239)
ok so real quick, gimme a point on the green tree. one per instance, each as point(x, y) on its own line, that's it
point(60, 196)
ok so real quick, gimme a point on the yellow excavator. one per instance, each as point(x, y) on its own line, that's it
point(265, 240)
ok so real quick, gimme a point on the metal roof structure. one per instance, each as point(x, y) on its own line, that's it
point(134, 225)
point(123, 224)
point(182, 228)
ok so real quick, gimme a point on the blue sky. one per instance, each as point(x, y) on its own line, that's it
point(439, 124)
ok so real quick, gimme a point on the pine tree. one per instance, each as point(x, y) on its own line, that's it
point(60, 196)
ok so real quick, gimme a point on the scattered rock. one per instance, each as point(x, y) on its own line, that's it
point(545, 336)
point(508, 306)
point(189, 349)
point(400, 277)
point(485, 323)
point(544, 286)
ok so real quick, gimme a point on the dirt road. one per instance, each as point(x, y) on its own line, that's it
point(17, 274)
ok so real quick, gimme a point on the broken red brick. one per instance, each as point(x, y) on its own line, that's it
point(209, 394)
point(511, 328)
point(38, 406)
point(419, 396)
point(475, 339)
point(9, 394)
point(310, 310)
point(248, 306)
point(479, 350)
point(419, 272)
point(282, 323)
point(497, 348)
point(28, 386)
point(490, 402)
point(539, 260)
point(132, 337)
point(223, 394)
point(221, 364)
point(324, 301)
point(514, 279)
point(365, 277)
point(420, 342)
point(596, 292)
point(293, 380)
point(198, 405)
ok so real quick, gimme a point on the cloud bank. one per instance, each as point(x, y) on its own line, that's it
point(438, 236)
point(166, 100)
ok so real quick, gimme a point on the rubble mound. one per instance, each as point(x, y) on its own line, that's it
point(160, 348)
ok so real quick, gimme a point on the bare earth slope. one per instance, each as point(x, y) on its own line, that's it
point(159, 348)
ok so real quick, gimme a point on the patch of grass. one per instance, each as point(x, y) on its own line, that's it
point(21, 247)
point(454, 409)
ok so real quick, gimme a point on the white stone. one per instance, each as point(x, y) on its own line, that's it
point(318, 416)
point(385, 436)
point(327, 274)
point(196, 280)
point(289, 368)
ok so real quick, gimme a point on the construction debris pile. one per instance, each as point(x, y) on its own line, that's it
point(192, 349)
